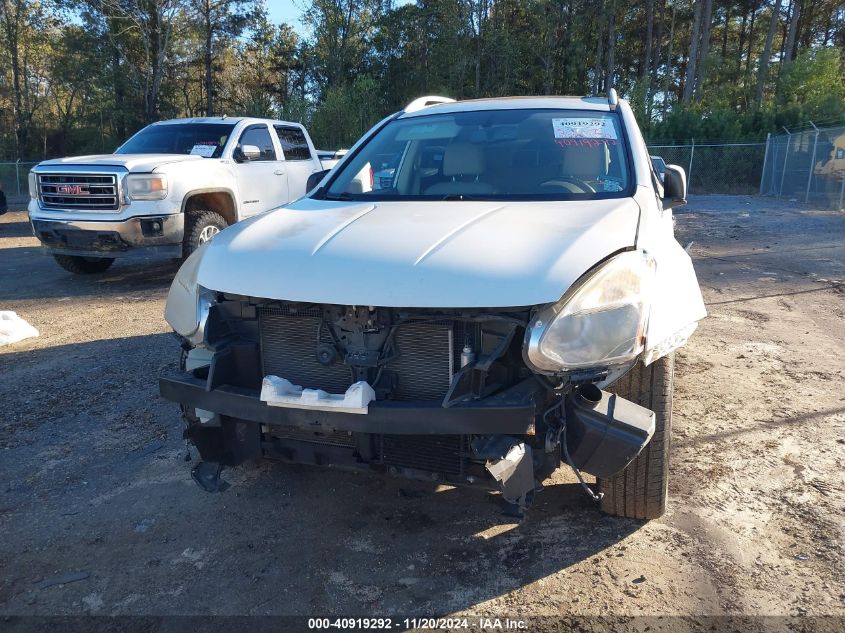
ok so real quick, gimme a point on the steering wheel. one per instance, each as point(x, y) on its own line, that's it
point(560, 181)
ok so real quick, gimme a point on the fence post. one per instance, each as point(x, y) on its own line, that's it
point(812, 163)
point(689, 171)
point(18, 176)
point(765, 161)
point(842, 193)
point(785, 157)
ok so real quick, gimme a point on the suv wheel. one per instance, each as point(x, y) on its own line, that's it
point(84, 265)
point(640, 491)
point(200, 227)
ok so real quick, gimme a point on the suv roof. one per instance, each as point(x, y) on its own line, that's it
point(225, 119)
point(600, 104)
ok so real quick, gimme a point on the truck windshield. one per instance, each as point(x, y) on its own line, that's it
point(520, 154)
point(202, 139)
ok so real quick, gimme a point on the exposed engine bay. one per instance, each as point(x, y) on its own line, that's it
point(454, 400)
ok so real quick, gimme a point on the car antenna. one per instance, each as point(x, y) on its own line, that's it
point(612, 99)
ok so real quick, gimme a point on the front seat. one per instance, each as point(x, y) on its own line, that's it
point(463, 164)
point(587, 163)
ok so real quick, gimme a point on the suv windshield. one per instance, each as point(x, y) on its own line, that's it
point(201, 139)
point(522, 154)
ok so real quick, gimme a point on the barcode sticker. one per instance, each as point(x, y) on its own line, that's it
point(599, 128)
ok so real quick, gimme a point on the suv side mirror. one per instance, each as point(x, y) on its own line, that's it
point(246, 153)
point(314, 179)
point(674, 187)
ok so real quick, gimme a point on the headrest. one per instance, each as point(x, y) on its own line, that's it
point(585, 162)
point(462, 159)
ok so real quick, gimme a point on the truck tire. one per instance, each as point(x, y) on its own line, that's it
point(200, 227)
point(640, 491)
point(84, 265)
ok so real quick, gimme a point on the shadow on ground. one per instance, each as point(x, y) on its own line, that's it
point(95, 480)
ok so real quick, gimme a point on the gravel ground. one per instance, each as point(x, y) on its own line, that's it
point(98, 513)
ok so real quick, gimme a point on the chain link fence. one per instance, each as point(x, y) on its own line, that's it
point(729, 168)
point(14, 179)
point(807, 166)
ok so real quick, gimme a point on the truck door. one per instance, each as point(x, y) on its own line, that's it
point(262, 181)
point(298, 159)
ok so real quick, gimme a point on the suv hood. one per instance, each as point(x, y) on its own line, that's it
point(455, 254)
point(132, 162)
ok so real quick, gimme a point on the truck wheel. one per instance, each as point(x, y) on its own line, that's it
point(84, 265)
point(200, 227)
point(640, 491)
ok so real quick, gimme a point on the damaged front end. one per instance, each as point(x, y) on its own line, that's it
point(440, 395)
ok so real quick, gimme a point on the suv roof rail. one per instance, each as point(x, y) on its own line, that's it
point(424, 102)
point(612, 98)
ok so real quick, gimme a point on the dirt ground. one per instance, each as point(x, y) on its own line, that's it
point(99, 515)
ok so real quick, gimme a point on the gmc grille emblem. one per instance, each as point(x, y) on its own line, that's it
point(72, 190)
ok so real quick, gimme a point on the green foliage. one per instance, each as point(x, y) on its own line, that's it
point(80, 76)
point(346, 112)
point(814, 79)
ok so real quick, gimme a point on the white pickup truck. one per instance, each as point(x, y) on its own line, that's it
point(168, 189)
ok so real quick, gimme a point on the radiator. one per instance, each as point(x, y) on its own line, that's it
point(428, 354)
point(426, 361)
point(289, 340)
point(446, 454)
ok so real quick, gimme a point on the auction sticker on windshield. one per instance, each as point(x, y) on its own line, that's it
point(598, 127)
point(206, 150)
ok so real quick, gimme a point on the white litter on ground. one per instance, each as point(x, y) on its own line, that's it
point(13, 328)
point(279, 392)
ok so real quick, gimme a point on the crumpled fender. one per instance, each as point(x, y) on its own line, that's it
point(677, 305)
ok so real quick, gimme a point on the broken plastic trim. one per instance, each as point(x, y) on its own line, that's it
point(511, 463)
point(207, 477)
point(280, 392)
point(561, 431)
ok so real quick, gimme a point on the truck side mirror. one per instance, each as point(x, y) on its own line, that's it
point(674, 187)
point(314, 179)
point(246, 153)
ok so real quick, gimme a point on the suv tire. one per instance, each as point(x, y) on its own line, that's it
point(201, 226)
point(640, 491)
point(84, 265)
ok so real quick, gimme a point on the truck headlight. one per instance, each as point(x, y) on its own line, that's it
point(599, 322)
point(33, 185)
point(188, 303)
point(146, 187)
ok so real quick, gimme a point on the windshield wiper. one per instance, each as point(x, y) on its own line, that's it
point(337, 196)
point(458, 196)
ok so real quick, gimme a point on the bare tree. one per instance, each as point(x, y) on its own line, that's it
point(789, 50)
point(611, 45)
point(668, 74)
point(763, 66)
point(704, 48)
point(217, 18)
point(21, 22)
point(597, 77)
point(645, 76)
point(692, 60)
point(152, 23)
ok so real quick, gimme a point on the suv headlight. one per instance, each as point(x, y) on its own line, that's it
point(188, 303)
point(599, 322)
point(33, 185)
point(146, 187)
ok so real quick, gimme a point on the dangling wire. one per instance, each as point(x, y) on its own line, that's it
point(558, 406)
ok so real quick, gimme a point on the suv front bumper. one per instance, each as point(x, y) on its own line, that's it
point(152, 235)
point(511, 412)
point(418, 440)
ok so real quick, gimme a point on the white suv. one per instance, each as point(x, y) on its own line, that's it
point(168, 189)
point(459, 320)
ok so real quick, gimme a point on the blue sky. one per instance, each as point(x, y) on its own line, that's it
point(291, 10)
point(286, 11)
